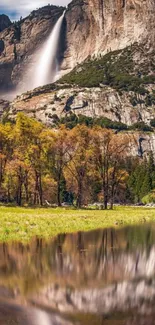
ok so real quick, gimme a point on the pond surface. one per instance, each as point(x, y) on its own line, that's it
point(104, 277)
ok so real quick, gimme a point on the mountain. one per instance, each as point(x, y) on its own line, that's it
point(91, 28)
point(106, 57)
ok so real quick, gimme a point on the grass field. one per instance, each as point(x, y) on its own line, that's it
point(22, 224)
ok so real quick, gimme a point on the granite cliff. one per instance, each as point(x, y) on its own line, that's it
point(90, 28)
point(99, 26)
point(45, 103)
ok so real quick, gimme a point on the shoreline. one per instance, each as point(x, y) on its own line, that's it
point(22, 224)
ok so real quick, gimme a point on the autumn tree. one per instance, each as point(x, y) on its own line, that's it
point(58, 155)
point(80, 156)
point(109, 150)
point(6, 139)
point(29, 148)
point(40, 163)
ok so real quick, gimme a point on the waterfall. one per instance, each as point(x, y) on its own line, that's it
point(46, 67)
point(43, 67)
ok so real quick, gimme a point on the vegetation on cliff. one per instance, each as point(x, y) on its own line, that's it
point(71, 120)
point(118, 69)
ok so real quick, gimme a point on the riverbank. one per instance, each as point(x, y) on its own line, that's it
point(23, 223)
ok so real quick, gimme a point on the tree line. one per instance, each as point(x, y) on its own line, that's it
point(40, 165)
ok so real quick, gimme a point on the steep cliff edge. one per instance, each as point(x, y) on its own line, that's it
point(98, 26)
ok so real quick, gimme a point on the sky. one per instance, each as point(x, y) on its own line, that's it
point(17, 8)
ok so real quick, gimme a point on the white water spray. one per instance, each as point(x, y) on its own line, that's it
point(46, 67)
point(43, 68)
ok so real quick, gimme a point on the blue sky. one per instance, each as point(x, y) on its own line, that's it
point(17, 8)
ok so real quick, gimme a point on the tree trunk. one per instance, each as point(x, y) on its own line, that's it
point(1, 172)
point(26, 188)
point(8, 194)
point(112, 197)
point(40, 191)
point(105, 193)
point(36, 189)
point(59, 191)
point(19, 190)
point(105, 201)
point(113, 186)
point(79, 195)
point(105, 185)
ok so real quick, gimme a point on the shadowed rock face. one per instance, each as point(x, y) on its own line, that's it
point(4, 22)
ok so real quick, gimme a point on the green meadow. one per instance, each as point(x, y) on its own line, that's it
point(21, 224)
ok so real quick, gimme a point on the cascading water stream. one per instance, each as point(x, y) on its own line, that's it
point(43, 68)
point(47, 66)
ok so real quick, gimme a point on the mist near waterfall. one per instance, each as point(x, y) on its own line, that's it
point(47, 68)
point(43, 68)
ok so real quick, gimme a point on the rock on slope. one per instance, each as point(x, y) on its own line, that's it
point(45, 103)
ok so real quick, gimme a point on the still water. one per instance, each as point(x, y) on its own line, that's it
point(104, 277)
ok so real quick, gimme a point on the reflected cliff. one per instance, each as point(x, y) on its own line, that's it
point(100, 277)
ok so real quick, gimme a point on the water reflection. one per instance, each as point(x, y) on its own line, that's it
point(102, 277)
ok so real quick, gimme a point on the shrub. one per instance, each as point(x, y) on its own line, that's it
point(107, 123)
point(149, 198)
point(116, 69)
point(141, 126)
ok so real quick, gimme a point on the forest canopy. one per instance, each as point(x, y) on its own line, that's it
point(80, 166)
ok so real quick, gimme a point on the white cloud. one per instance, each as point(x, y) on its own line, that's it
point(17, 8)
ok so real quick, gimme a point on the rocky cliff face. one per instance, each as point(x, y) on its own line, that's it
point(98, 26)
point(4, 107)
point(44, 103)
point(19, 42)
point(90, 28)
point(57, 101)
